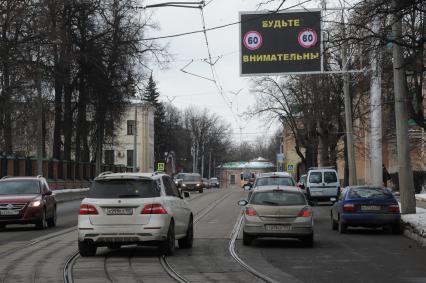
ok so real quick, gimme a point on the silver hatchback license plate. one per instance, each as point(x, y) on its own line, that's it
point(278, 227)
point(9, 212)
point(119, 211)
point(370, 207)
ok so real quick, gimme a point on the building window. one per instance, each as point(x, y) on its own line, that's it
point(109, 156)
point(131, 127)
point(232, 179)
point(130, 158)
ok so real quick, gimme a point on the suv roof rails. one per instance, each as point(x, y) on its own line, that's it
point(105, 173)
point(157, 173)
point(5, 177)
point(39, 176)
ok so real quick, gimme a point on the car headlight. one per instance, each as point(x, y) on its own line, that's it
point(183, 185)
point(35, 203)
point(198, 185)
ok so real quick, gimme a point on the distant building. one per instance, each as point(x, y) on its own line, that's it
point(121, 150)
point(234, 174)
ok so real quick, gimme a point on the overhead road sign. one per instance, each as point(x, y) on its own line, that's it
point(288, 42)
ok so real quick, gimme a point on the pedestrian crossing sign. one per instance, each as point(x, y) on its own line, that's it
point(160, 166)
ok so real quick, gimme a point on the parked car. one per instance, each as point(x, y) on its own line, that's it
point(27, 200)
point(214, 182)
point(322, 184)
point(274, 211)
point(190, 182)
point(134, 208)
point(366, 206)
point(206, 183)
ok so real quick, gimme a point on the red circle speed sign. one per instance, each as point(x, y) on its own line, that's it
point(252, 40)
point(307, 38)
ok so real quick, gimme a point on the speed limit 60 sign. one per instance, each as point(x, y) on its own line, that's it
point(280, 43)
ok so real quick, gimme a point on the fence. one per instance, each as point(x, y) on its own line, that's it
point(61, 174)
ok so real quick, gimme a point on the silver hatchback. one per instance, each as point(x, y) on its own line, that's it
point(280, 212)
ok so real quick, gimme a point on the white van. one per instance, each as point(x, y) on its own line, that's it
point(322, 184)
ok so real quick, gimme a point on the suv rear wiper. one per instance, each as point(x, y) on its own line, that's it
point(128, 196)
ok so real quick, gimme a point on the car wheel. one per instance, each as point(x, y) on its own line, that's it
point(308, 241)
point(343, 228)
point(168, 246)
point(334, 224)
point(51, 222)
point(247, 239)
point(200, 191)
point(113, 246)
point(2, 226)
point(42, 223)
point(187, 241)
point(86, 249)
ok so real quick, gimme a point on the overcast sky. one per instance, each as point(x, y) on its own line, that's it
point(186, 90)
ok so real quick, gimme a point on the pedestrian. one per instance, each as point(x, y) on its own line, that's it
point(386, 175)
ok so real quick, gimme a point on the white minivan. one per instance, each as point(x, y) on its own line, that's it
point(322, 184)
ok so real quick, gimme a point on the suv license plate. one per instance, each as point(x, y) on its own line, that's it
point(119, 211)
point(278, 227)
point(9, 212)
point(370, 207)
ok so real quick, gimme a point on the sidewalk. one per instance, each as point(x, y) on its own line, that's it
point(415, 224)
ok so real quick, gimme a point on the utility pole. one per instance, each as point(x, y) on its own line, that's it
point(202, 161)
point(376, 110)
point(210, 164)
point(193, 157)
point(39, 120)
point(348, 109)
point(135, 140)
point(406, 185)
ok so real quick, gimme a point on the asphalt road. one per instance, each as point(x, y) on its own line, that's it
point(67, 217)
point(362, 255)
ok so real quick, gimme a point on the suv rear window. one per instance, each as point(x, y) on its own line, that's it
point(278, 198)
point(19, 187)
point(124, 189)
point(355, 193)
point(275, 181)
point(315, 177)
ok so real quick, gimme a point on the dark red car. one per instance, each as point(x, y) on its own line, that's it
point(27, 200)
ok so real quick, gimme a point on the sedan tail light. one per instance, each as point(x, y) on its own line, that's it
point(88, 209)
point(153, 208)
point(349, 207)
point(394, 208)
point(250, 211)
point(305, 212)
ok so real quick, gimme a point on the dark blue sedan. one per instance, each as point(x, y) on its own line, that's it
point(366, 206)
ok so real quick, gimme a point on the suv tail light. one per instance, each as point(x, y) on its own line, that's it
point(349, 207)
point(305, 212)
point(394, 208)
point(250, 211)
point(88, 209)
point(154, 208)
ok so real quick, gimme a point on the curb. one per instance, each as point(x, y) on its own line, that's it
point(414, 234)
point(70, 194)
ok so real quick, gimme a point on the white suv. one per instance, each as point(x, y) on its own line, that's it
point(134, 208)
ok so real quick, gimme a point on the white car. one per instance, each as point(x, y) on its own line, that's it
point(134, 208)
point(322, 184)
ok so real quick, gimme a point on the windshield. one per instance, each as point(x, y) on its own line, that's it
point(192, 178)
point(279, 198)
point(124, 189)
point(19, 188)
point(355, 193)
point(275, 181)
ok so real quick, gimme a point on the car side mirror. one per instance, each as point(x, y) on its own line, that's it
point(186, 194)
point(247, 187)
point(242, 202)
point(48, 193)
